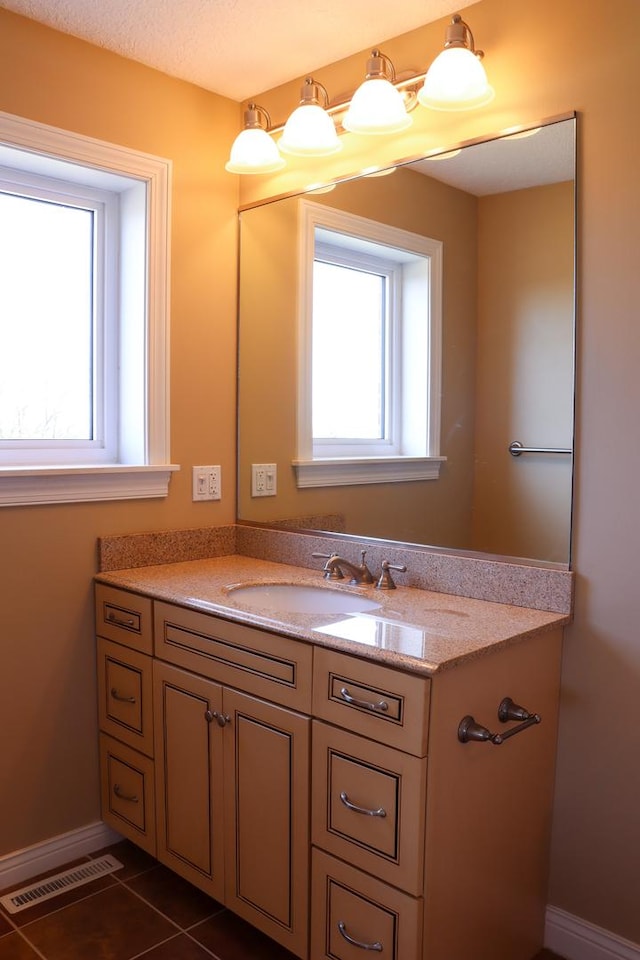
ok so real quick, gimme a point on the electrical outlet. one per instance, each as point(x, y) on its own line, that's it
point(264, 478)
point(207, 483)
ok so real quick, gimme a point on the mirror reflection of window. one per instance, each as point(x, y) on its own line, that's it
point(351, 346)
point(370, 328)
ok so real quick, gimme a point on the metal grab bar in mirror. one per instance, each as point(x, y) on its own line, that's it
point(469, 730)
point(516, 448)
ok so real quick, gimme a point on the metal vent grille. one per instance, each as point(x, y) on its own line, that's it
point(50, 887)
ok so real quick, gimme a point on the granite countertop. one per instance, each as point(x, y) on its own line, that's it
point(413, 629)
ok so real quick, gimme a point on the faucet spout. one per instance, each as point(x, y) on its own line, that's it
point(336, 565)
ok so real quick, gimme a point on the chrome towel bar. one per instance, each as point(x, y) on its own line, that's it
point(516, 448)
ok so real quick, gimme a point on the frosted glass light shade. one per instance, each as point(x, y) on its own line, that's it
point(456, 80)
point(309, 132)
point(376, 107)
point(254, 151)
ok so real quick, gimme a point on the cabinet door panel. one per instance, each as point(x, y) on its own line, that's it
point(124, 695)
point(368, 805)
point(128, 803)
point(266, 817)
point(189, 776)
point(124, 617)
point(355, 915)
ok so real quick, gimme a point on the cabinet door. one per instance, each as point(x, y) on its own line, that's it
point(189, 776)
point(354, 915)
point(267, 817)
point(127, 792)
point(368, 806)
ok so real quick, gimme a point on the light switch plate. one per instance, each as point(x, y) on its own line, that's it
point(207, 483)
point(264, 479)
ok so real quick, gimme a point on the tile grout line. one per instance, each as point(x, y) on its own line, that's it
point(30, 944)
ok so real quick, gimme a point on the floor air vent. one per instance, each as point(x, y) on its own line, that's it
point(51, 886)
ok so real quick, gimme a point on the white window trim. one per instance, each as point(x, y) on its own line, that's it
point(313, 471)
point(150, 478)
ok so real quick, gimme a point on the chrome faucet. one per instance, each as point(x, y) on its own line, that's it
point(335, 566)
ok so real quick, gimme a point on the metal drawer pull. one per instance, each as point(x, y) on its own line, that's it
point(122, 699)
point(380, 812)
point(124, 796)
point(380, 707)
point(222, 719)
point(111, 617)
point(357, 943)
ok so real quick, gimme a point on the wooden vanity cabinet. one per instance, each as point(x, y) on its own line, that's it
point(327, 798)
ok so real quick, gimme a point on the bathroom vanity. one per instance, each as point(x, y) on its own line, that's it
point(370, 782)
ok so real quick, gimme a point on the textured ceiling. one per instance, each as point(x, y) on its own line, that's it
point(236, 48)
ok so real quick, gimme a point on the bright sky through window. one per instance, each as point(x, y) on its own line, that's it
point(46, 320)
point(349, 353)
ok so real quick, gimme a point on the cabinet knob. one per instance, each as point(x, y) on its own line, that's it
point(222, 719)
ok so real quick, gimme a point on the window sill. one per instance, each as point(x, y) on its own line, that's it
point(24, 485)
point(345, 471)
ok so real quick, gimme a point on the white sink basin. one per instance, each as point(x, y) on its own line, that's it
point(299, 598)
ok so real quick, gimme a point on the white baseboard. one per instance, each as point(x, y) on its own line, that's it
point(50, 854)
point(577, 939)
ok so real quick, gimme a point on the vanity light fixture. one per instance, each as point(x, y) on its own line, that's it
point(377, 106)
point(253, 150)
point(310, 131)
point(456, 80)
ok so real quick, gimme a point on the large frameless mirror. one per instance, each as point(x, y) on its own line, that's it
point(495, 471)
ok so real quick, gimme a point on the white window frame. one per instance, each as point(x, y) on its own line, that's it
point(141, 466)
point(416, 455)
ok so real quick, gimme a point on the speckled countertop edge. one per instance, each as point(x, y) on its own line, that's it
point(421, 630)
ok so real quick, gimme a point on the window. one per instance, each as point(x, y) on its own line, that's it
point(83, 318)
point(370, 354)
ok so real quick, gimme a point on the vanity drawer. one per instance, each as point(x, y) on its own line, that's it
point(384, 704)
point(125, 695)
point(369, 805)
point(265, 664)
point(353, 913)
point(124, 617)
point(128, 798)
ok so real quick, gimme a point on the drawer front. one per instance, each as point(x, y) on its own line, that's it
point(369, 806)
point(355, 915)
point(128, 803)
point(265, 664)
point(384, 704)
point(124, 617)
point(125, 695)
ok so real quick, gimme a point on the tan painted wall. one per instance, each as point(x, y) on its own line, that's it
point(48, 760)
point(420, 511)
point(522, 505)
point(546, 57)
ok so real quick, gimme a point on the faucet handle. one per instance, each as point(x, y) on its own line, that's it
point(365, 575)
point(386, 580)
point(332, 569)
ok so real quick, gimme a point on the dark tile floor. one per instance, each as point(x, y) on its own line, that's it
point(143, 910)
